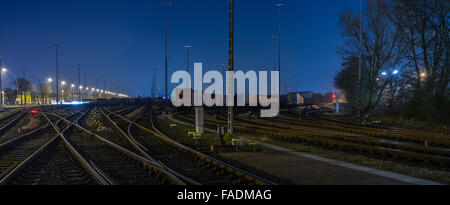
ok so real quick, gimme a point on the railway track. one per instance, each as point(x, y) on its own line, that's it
point(188, 164)
point(113, 135)
point(77, 156)
point(116, 164)
point(13, 152)
point(357, 141)
point(415, 136)
point(51, 161)
point(10, 120)
point(55, 166)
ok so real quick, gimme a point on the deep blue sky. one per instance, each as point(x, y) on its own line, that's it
point(121, 42)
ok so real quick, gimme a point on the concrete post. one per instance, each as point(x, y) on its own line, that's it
point(199, 122)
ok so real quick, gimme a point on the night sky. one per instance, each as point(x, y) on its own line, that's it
point(121, 42)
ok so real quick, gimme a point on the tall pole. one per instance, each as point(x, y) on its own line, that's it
point(57, 80)
point(1, 87)
point(187, 57)
point(360, 61)
point(85, 86)
point(279, 42)
point(231, 63)
point(166, 4)
point(96, 88)
point(79, 83)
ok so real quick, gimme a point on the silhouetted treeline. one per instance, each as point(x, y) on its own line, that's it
point(404, 47)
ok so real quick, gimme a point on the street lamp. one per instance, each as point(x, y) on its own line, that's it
point(4, 70)
point(423, 75)
point(395, 72)
point(384, 73)
point(57, 75)
point(72, 86)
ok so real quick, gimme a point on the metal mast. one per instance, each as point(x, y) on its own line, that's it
point(279, 42)
point(360, 61)
point(57, 80)
point(1, 88)
point(79, 83)
point(153, 83)
point(167, 4)
point(231, 63)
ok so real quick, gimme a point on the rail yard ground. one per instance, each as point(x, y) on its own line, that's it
point(108, 144)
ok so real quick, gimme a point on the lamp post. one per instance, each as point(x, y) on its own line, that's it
point(1, 87)
point(165, 4)
point(358, 107)
point(79, 84)
point(50, 80)
point(17, 84)
point(63, 83)
point(187, 57)
point(57, 80)
point(72, 87)
point(279, 5)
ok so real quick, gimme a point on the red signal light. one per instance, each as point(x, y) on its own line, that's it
point(333, 96)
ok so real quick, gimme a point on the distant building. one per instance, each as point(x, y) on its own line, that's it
point(295, 99)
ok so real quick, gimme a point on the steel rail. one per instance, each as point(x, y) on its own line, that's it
point(182, 177)
point(14, 172)
point(238, 171)
point(146, 162)
point(12, 122)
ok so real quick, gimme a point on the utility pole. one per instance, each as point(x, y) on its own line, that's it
point(165, 4)
point(279, 42)
point(79, 83)
point(96, 88)
point(230, 64)
point(24, 96)
point(153, 84)
point(360, 62)
point(85, 85)
point(2, 104)
point(57, 80)
point(275, 38)
point(187, 57)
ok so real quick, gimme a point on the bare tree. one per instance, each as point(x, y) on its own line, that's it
point(46, 91)
point(379, 47)
point(425, 37)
